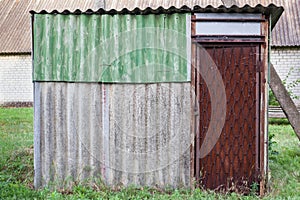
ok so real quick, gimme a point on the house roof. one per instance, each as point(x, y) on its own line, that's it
point(15, 23)
point(287, 31)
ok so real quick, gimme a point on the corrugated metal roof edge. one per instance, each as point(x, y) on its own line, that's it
point(271, 10)
point(5, 53)
point(246, 8)
point(285, 46)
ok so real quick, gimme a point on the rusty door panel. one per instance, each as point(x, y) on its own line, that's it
point(233, 162)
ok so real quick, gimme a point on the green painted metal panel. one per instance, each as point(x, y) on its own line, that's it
point(111, 48)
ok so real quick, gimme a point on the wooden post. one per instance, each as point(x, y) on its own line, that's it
point(285, 101)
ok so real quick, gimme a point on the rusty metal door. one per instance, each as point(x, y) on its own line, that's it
point(233, 162)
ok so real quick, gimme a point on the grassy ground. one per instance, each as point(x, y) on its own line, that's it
point(16, 167)
point(285, 163)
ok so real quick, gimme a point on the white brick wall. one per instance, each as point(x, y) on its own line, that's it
point(15, 79)
point(283, 60)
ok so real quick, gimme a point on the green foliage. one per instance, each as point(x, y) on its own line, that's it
point(16, 168)
point(271, 144)
point(279, 121)
point(285, 167)
point(272, 99)
point(289, 87)
point(17, 191)
point(254, 188)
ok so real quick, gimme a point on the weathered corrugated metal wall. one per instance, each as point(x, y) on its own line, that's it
point(121, 133)
point(110, 48)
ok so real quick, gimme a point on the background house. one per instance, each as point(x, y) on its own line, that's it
point(285, 54)
point(15, 38)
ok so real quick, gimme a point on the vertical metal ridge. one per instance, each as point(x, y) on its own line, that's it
point(95, 129)
point(112, 134)
point(59, 128)
point(37, 136)
point(49, 135)
point(78, 165)
point(44, 145)
point(106, 131)
point(84, 133)
point(71, 132)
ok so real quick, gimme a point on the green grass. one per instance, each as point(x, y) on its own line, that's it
point(16, 168)
point(16, 144)
point(16, 153)
point(279, 121)
point(16, 130)
point(285, 166)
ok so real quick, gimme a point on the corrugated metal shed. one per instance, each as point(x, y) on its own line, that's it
point(123, 133)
